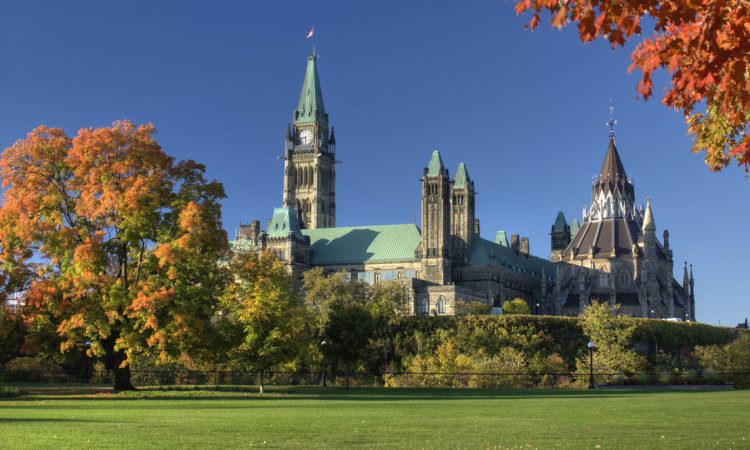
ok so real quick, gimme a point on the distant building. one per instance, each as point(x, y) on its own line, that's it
point(615, 256)
point(446, 260)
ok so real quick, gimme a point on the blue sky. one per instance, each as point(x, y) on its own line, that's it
point(525, 111)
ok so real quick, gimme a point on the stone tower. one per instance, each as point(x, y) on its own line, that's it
point(435, 245)
point(310, 158)
point(462, 219)
point(560, 236)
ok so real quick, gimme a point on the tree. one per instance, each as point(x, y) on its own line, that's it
point(516, 306)
point(702, 43)
point(387, 306)
point(611, 334)
point(340, 317)
point(260, 298)
point(116, 244)
point(12, 334)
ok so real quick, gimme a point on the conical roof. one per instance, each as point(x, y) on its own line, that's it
point(612, 169)
point(435, 167)
point(574, 227)
point(310, 106)
point(462, 176)
point(648, 219)
point(560, 223)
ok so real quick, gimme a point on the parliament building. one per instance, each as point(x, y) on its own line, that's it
point(612, 255)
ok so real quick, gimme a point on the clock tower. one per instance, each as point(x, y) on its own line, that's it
point(310, 157)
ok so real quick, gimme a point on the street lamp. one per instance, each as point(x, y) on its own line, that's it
point(87, 368)
point(323, 369)
point(591, 364)
point(537, 308)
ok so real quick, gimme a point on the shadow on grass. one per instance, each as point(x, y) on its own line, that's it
point(274, 393)
point(24, 420)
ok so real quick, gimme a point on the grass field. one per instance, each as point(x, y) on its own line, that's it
point(383, 418)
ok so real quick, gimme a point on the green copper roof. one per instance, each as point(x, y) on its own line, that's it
point(283, 222)
point(560, 222)
point(487, 252)
point(310, 106)
point(435, 167)
point(574, 227)
point(501, 238)
point(365, 244)
point(462, 176)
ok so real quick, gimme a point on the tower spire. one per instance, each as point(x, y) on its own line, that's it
point(648, 220)
point(310, 107)
point(612, 122)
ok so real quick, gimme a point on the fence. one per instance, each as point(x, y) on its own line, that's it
point(394, 379)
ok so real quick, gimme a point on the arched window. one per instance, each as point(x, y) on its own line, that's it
point(441, 305)
point(423, 306)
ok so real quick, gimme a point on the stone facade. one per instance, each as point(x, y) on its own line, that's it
point(447, 262)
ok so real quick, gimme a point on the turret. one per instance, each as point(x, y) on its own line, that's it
point(462, 218)
point(559, 236)
point(649, 232)
point(435, 247)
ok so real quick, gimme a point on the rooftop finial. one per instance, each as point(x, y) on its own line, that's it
point(310, 35)
point(612, 122)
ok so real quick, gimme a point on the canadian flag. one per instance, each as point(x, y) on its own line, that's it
point(311, 32)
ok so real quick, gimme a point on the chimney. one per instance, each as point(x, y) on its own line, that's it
point(525, 245)
point(514, 244)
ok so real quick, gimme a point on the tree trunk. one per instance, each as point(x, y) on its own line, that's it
point(113, 361)
point(260, 386)
point(122, 374)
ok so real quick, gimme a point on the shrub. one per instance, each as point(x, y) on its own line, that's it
point(8, 391)
point(665, 378)
point(516, 306)
point(25, 368)
point(100, 374)
point(643, 379)
point(710, 376)
point(733, 359)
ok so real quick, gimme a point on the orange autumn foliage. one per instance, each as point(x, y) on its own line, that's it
point(703, 44)
point(112, 239)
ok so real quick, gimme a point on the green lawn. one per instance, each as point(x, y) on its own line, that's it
point(384, 418)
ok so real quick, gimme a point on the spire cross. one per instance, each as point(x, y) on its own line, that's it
point(612, 122)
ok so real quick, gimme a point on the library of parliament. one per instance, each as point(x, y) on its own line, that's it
point(612, 254)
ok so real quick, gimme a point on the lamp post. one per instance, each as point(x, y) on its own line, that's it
point(591, 364)
point(322, 351)
point(87, 369)
point(537, 308)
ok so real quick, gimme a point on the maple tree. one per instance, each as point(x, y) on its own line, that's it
point(112, 241)
point(702, 43)
point(261, 301)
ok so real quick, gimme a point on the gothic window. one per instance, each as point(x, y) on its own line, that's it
point(441, 305)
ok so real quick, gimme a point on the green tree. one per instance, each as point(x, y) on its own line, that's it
point(516, 306)
point(612, 335)
point(387, 306)
point(261, 300)
point(341, 318)
point(732, 359)
point(12, 333)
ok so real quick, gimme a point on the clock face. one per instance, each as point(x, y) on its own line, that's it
point(306, 137)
